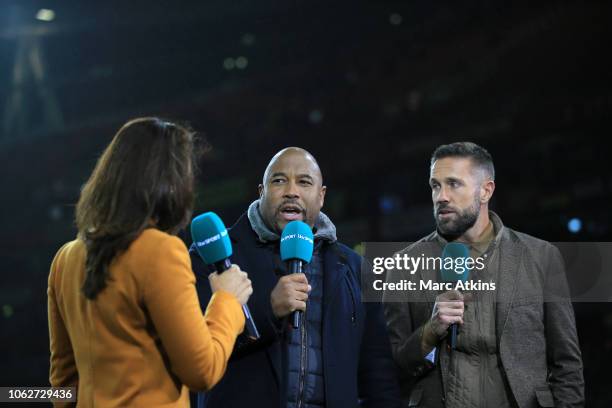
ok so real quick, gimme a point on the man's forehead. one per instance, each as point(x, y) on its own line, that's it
point(447, 166)
point(294, 163)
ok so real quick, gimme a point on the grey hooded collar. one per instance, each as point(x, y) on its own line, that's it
point(324, 229)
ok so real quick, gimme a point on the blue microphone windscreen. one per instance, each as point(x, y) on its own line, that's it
point(210, 238)
point(296, 242)
point(454, 257)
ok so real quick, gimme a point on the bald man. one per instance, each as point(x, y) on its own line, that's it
point(340, 355)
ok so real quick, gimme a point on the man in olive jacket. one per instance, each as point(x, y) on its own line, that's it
point(517, 344)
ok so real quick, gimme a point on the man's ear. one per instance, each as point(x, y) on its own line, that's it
point(260, 189)
point(486, 191)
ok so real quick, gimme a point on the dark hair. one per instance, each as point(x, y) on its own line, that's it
point(479, 155)
point(143, 179)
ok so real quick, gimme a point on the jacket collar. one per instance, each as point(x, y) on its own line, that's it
point(511, 268)
point(324, 229)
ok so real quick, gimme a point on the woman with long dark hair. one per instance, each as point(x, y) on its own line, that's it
point(125, 324)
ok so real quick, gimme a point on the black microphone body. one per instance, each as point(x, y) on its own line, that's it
point(252, 331)
point(453, 336)
point(296, 266)
point(455, 251)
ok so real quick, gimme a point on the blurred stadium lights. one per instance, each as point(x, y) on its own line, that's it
point(248, 39)
point(238, 63)
point(7, 311)
point(242, 62)
point(315, 116)
point(574, 225)
point(395, 19)
point(45, 15)
point(29, 77)
point(389, 204)
point(16, 25)
point(229, 64)
point(55, 213)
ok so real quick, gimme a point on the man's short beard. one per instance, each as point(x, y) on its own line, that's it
point(464, 221)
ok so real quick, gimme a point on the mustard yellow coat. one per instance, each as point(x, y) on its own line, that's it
point(143, 340)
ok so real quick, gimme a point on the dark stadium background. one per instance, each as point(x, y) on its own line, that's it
point(369, 87)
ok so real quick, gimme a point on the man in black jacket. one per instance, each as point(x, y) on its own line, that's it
point(340, 355)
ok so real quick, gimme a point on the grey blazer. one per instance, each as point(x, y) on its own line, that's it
point(535, 328)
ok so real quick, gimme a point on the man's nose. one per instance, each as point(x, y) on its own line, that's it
point(291, 190)
point(442, 196)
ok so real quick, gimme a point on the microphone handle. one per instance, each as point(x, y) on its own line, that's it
point(223, 265)
point(295, 266)
point(453, 332)
point(252, 331)
point(453, 336)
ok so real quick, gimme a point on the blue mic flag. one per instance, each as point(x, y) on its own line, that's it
point(210, 238)
point(214, 246)
point(297, 242)
point(296, 246)
point(455, 269)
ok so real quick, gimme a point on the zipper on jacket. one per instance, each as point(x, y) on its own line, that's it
point(353, 314)
point(484, 361)
point(303, 360)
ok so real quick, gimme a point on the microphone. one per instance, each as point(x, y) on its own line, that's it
point(457, 271)
point(214, 247)
point(296, 246)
